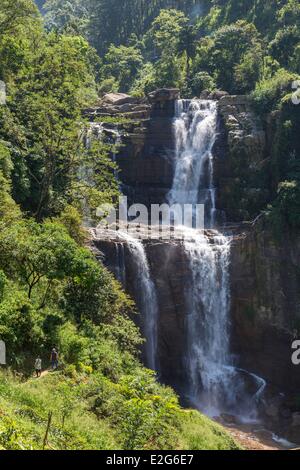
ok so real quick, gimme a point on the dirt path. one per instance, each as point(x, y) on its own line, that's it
point(43, 374)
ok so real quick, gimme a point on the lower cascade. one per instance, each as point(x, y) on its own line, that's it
point(208, 322)
point(147, 301)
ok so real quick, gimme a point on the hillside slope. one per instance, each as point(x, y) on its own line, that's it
point(90, 412)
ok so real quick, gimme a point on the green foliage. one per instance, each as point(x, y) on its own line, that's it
point(233, 56)
point(71, 16)
point(42, 126)
point(145, 81)
point(269, 92)
point(202, 81)
point(285, 211)
point(14, 14)
point(3, 282)
point(92, 412)
point(285, 42)
point(122, 63)
point(169, 42)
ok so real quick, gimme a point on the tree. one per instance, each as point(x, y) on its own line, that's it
point(41, 254)
point(122, 63)
point(114, 22)
point(233, 56)
point(283, 45)
point(45, 123)
point(289, 14)
point(70, 16)
point(14, 13)
point(164, 45)
point(166, 31)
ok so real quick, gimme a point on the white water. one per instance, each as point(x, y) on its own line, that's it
point(214, 385)
point(195, 136)
point(208, 326)
point(147, 298)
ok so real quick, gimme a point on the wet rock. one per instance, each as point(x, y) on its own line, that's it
point(296, 419)
point(169, 276)
point(228, 419)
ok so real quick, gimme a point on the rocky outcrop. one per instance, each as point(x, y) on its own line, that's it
point(118, 99)
point(163, 102)
point(265, 277)
point(241, 160)
point(120, 105)
point(146, 156)
point(213, 95)
point(170, 279)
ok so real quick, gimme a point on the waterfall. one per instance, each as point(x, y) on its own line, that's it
point(214, 385)
point(146, 297)
point(208, 327)
point(195, 136)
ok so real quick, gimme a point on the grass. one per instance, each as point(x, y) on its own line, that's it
point(199, 432)
point(25, 407)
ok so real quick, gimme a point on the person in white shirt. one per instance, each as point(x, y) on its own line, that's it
point(38, 367)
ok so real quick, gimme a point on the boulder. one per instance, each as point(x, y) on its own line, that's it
point(234, 100)
point(204, 95)
point(164, 94)
point(217, 95)
point(118, 99)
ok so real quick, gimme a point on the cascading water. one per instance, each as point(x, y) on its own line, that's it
point(208, 321)
point(145, 288)
point(147, 298)
point(195, 135)
point(214, 385)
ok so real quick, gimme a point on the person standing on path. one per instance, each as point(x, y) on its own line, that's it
point(38, 367)
point(54, 359)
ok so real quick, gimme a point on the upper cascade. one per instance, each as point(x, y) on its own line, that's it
point(195, 136)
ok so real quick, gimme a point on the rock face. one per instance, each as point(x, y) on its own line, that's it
point(146, 159)
point(170, 279)
point(146, 156)
point(265, 303)
point(120, 105)
point(265, 279)
point(241, 157)
point(163, 102)
point(118, 99)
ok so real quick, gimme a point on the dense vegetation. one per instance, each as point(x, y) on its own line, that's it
point(242, 47)
point(193, 45)
point(95, 411)
point(52, 291)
